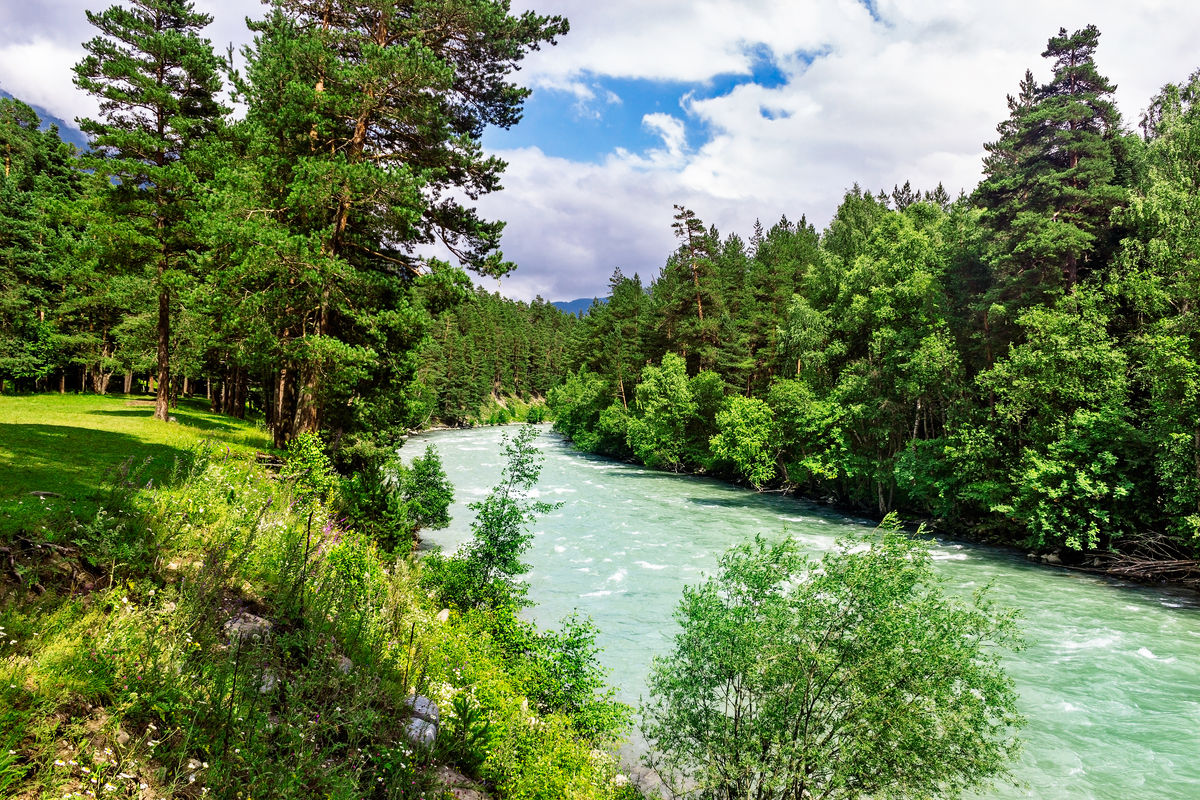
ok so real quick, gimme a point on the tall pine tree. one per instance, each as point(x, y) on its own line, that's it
point(1052, 178)
point(157, 82)
point(365, 118)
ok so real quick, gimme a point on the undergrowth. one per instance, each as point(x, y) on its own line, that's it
point(132, 684)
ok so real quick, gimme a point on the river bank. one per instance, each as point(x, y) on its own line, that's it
point(195, 623)
point(1138, 566)
point(1105, 679)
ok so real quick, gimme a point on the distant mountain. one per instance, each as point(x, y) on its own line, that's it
point(579, 306)
point(66, 130)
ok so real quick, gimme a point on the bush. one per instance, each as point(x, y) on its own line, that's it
point(853, 676)
point(485, 572)
point(309, 468)
point(390, 503)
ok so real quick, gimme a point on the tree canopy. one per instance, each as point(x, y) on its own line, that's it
point(853, 676)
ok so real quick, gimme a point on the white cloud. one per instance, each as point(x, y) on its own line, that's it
point(671, 130)
point(39, 72)
point(912, 96)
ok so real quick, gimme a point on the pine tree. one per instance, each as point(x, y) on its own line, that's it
point(1052, 177)
point(689, 294)
point(39, 185)
point(157, 82)
point(365, 118)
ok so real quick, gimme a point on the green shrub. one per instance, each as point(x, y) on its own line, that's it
point(308, 468)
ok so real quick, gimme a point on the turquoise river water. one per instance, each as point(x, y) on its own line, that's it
point(1109, 679)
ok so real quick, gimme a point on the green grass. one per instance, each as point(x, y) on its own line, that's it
point(73, 446)
point(126, 685)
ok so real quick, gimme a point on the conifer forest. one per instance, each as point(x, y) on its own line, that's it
point(266, 272)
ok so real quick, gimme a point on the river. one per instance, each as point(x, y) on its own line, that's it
point(1109, 679)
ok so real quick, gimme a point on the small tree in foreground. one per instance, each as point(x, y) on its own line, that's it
point(852, 676)
point(486, 571)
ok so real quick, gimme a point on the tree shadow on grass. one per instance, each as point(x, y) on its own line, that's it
point(182, 417)
point(80, 464)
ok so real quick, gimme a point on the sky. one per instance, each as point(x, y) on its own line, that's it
point(741, 111)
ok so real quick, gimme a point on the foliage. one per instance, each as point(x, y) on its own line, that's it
point(853, 676)
point(486, 571)
point(747, 437)
point(1052, 178)
point(137, 683)
point(353, 201)
point(391, 502)
point(488, 357)
point(308, 467)
point(657, 431)
point(157, 81)
point(1021, 362)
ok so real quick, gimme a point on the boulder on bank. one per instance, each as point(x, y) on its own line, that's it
point(247, 626)
point(421, 728)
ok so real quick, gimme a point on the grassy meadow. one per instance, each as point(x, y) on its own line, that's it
point(79, 446)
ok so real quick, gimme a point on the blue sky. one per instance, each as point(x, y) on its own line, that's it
point(741, 110)
point(589, 130)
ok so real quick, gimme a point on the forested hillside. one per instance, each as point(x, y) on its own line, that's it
point(1024, 360)
point(276, 262)
point(484, 351)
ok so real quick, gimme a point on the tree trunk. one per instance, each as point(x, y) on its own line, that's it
point(268, 405)
point(162, 398)
point(237, 394)
point(128, 380)
point(282, 430)
point(307, 415)
point(62, 382)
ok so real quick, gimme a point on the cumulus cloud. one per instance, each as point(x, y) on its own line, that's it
point(911, 95)
point(900, 90)
point(39, 72)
